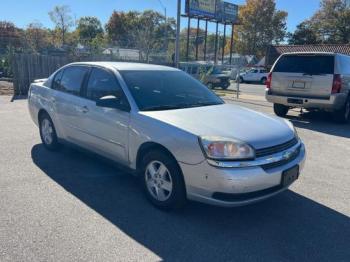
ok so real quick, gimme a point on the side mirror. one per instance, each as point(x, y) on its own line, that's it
point(112, 102)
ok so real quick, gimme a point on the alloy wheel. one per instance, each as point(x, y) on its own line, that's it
point(158, 180)
point(47, 131)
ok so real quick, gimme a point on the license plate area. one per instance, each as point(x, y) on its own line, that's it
point(295, 101)
point(298, 84)
point(289, 176)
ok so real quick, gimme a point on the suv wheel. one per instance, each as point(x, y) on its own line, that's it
point(210, 86)
point(263, 81)
point(162, 180)
point(343, 115)
point(280, 110)
point(48, 132)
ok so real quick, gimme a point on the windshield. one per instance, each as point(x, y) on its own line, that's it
point(309, 64)
point(162, 90)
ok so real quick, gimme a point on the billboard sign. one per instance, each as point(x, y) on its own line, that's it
point(230, 12)
point(226, 12)
point(205, 8)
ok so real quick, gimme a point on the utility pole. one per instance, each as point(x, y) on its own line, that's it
point(166, 26)
point(177, 42)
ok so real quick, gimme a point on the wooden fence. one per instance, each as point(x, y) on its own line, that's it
point(27, 67)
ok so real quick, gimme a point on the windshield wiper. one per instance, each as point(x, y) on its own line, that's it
point(162, 107)
point(178, 106)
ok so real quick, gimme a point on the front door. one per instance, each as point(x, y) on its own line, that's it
point(107, 128)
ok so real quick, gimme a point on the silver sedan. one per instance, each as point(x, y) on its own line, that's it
point(167, 128)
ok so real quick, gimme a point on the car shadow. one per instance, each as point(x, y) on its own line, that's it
point(320, 122)
point(288, 227)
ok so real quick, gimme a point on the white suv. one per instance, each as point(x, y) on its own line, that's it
point(253, 75)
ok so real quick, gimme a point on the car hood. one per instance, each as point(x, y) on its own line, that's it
point(229, 121)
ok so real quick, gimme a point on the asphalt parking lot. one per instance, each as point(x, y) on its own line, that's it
point(72, 206)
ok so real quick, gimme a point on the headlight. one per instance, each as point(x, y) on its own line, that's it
point(290, 124)
point(221, 148)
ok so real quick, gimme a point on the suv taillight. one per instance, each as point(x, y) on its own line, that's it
point(337, 84)
point(269, 81)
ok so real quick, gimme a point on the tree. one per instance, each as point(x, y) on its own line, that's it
point(9, 35)
point(332, 22)
point(261, 25)
point(304, 34)
point(144, 31)
point(89, 28)
point(36, 36)
point(60, 15)
point(120, 24)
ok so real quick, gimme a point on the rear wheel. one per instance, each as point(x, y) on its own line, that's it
point(343, 115)
point(48, 132)
point(162, 180)
point(280, 110)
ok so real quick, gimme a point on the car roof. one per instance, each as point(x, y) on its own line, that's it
point(309, 53)
point(128, 66)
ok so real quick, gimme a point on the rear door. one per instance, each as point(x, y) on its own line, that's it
point(303, 75)
point(69, 104)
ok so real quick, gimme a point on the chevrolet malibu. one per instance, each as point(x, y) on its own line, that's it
point(181, 139)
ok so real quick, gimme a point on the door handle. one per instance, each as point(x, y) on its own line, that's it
point(83, 109)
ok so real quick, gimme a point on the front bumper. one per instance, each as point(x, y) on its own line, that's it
point(335, 102)
point(214, 185)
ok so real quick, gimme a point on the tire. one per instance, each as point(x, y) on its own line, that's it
point(241, 80)
point(162, 180)
point(48, 133)
point(342, 115)
point(263, 81)
point(280, 110)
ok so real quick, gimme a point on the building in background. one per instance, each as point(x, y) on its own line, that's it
point(274, 51)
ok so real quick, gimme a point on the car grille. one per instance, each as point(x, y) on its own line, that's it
point(276, 149)
point(282, 162)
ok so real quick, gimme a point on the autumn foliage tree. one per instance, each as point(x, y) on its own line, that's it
point(329, 25)
point(261, 25)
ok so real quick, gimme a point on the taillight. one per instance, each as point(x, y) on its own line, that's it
point(337, 84)
point(269, 81)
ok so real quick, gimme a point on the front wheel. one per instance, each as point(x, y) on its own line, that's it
point(162, 180)
point(343, 115)
point(280, 110)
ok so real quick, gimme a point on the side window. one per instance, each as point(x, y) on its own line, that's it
point(72, 79)
point(103, 83)
point(57, 80)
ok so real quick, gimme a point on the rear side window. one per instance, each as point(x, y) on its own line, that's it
point(72, 79)
point(57, 80)
point(309, 64)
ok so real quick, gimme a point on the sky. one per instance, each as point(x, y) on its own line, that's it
point(23, 12)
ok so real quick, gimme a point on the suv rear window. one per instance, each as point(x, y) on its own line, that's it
point(309, 64)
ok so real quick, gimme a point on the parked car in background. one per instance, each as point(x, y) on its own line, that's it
point(210, 75)
point(253, 75)
point(313, 81)
point(181, 139)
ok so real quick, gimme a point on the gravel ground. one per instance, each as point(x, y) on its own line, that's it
point(72, 206)
point(6, 88)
